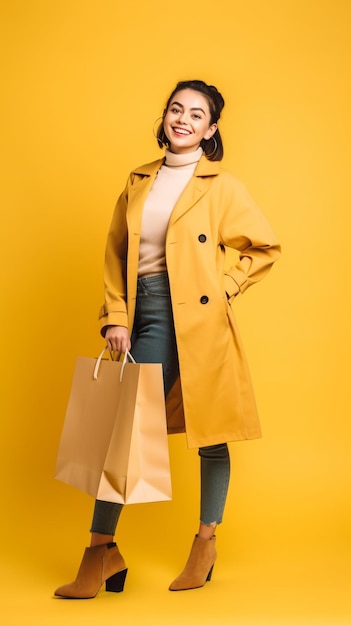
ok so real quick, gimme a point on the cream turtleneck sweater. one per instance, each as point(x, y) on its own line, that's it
point(171, 179)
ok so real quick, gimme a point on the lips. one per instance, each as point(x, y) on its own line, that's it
point(181, 131)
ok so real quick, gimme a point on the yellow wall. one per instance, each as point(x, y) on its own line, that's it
point(82, 83)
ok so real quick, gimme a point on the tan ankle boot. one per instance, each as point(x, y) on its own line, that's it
point(100, 564)
point(199, 566)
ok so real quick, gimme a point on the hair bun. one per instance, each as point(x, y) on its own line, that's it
point(217, 98)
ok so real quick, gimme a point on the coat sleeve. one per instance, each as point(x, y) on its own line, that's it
point(114, 310)
point(244, 228)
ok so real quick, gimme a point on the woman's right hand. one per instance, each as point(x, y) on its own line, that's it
point(117, 339)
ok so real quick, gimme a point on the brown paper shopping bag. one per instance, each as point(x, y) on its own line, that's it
point(114, 440)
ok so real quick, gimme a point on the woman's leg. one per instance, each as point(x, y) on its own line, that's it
point(153, 338)
point(215, 472)
point(104, 523)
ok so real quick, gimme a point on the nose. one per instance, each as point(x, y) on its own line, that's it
point(182, 117)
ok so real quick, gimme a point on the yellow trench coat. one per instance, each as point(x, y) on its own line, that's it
point(215, 402)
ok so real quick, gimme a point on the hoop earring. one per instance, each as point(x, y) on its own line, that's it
point(162, 140)
point(153, 128)
point(215, 147)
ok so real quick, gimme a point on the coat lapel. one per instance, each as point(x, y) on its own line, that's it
point(144, 177)
point(196, 188)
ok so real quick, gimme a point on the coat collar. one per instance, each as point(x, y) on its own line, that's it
point(203, 168)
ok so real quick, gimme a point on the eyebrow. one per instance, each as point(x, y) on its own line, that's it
point(192, 109)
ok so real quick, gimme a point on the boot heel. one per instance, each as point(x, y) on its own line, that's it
point(209, 575)
point(116, 582)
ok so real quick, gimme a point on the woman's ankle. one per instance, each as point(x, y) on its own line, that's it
point(206, 531)
point(97, 539)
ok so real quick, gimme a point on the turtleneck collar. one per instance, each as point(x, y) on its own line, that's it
point(179, 160)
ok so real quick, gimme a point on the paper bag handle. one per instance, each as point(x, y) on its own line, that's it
point(127, 356)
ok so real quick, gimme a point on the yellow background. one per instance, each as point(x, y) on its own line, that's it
point(82, 82)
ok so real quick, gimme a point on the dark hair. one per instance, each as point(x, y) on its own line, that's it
point(212, 149)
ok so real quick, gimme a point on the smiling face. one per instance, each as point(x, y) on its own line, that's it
point(187, 121)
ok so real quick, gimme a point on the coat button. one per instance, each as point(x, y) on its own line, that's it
point(202, 238)
point(204, 299)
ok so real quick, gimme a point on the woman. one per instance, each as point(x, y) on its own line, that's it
point(169, 298)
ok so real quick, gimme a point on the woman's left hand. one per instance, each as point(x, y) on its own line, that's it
point(117, 339)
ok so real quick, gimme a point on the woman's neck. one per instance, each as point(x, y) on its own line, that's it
point(179, 160)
